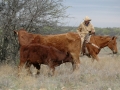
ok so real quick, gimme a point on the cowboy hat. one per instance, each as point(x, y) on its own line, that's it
point(87, 18)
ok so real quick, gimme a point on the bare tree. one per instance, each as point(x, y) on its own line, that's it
point(33, 15)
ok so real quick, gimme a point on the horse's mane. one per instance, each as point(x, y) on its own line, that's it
point(103, 37)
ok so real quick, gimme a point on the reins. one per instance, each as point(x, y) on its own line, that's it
point(88, 41)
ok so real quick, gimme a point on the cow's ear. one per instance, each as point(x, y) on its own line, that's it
point(15, 32)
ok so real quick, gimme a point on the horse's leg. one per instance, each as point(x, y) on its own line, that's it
point(92, 59)
point(94, 56)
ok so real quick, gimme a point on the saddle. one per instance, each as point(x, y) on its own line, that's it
point(86, 40)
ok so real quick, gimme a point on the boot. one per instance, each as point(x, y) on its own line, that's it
point(83, 48)
point(85, 51)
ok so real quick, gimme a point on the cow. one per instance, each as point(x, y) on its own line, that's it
point(38, 54)
point(68, 42)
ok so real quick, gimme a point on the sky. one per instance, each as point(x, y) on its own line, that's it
point(103, 13)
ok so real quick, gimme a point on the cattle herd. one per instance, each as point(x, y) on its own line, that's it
point(53, 50)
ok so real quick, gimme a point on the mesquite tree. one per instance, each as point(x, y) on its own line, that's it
point(33, 15)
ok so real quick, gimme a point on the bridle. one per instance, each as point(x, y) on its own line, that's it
point(88, 41)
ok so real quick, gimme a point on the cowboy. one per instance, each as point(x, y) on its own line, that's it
point(84, 30)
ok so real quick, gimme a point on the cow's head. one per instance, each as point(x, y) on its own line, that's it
point(24, 37)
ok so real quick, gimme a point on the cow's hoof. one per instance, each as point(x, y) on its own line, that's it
point(50, 75)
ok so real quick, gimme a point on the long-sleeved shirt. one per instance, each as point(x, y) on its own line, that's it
point(84, 29)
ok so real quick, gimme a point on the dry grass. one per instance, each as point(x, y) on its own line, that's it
point(102, 75)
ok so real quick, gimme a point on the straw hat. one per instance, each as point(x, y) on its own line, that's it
point(87, 18)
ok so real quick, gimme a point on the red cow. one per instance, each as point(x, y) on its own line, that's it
point(67, 42)
point(40, 54)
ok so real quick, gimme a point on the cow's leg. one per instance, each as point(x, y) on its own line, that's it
point(38, 66)
point(51, 68)
point(27, 66)
point(76, 61)
point(73, 65)
point(21, 64)
point(23, 60)
point(51, 71)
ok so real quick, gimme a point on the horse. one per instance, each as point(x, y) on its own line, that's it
point(95, 43)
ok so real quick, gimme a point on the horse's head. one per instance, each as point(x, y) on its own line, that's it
point(112, 44)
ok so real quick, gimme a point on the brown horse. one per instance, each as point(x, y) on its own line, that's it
point(95, 43)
